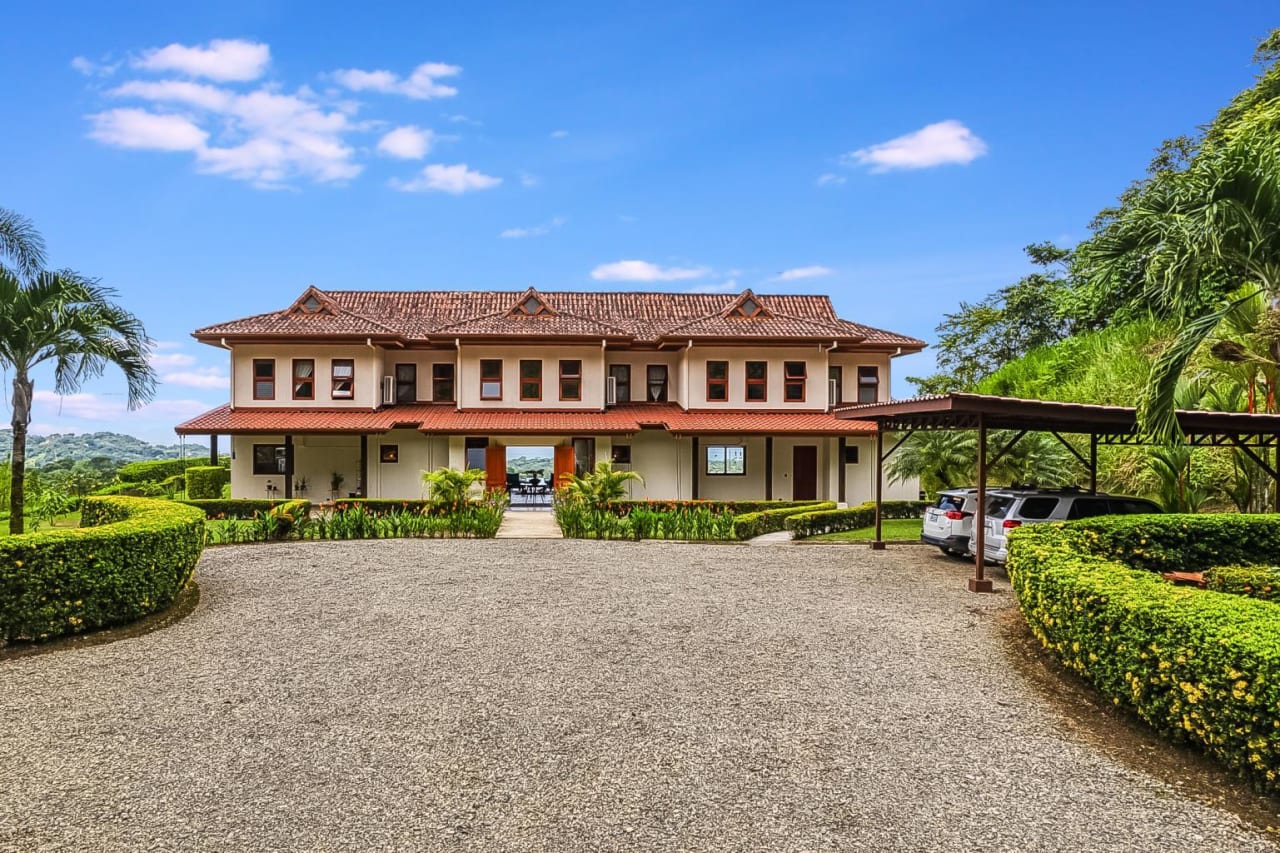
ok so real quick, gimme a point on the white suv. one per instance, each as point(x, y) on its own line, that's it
point(949, 522)
point(1010, 508)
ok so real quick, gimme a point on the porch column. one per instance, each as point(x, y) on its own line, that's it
point(288, 467)
point(693, 489)
point(364, 466)
point(213, 450)
point(878, 544)
point(1093, 464)
point(979, 582)
point(841, 444)
point(768, 467)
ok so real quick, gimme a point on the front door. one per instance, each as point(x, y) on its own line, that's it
point(804, 472)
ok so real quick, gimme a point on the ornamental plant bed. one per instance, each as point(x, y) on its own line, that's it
point(1200, 666)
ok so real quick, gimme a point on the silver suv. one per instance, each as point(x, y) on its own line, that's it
point(1010, 508)
point(949, 522)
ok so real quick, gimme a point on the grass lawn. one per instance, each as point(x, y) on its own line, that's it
point(71, 519)
point(892, 528)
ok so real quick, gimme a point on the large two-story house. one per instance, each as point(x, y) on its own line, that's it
point(707, 396)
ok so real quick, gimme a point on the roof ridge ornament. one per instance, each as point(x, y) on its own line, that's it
point(531, 304)
point(313, 301)
point(748, 306)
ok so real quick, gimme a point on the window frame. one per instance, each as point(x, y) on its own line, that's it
point(279, 456)
point(272, 378)
point(534, 382)
point(620, 454)
point(789, 380)
point(761, 382)
point(835, 373)
point(483, 380)
point(872, 384)
point(389, 454)
point(334, 379)
point(570, 377)
point(706, 460)
point(649, 382)
point(412, 384)
point(471, 444)
point(721, 382)
point(618, 385)
point(293, 386)
point(437, 380)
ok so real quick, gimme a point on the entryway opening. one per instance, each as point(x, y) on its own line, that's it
point(529, 477)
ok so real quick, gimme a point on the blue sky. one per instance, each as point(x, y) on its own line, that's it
point(212, 164)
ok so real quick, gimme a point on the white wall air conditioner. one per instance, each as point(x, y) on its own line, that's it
point(388, 390)
point(611, 390)
point(832, 393)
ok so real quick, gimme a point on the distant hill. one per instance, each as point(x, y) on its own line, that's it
point(43, 449)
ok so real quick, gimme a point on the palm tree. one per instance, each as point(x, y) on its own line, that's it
point(602, 486)
point(451, 487)
point(1197, 235)
point(20, 243)
point(70, 321)
point(941, 459)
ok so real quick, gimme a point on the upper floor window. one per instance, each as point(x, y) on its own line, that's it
point(264, 379)
point(531, 379)
point(344, 379)
point(757, 381)
point(570, 379)
point(835, 379)
point(621, 374)
point(304, 379)
point(490, 379)
point(442, 383)
point(406, 383)
point(868, 384)
point(656, 376)
point(717, 381)
point(794, 379)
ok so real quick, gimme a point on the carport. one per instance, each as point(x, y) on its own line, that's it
point(1255, 435)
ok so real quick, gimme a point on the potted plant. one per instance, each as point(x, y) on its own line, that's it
point(335, 484)
point(300, 487)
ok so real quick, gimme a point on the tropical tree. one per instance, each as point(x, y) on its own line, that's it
point(71, 323)
point(20, 244)
point(602, 486)
point(451, 487)
point(941, 459)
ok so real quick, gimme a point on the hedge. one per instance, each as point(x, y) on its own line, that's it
point(242, 508)
point(748, 525)
point(1200, 666)
point(155, 470)
point(130, 557)
point(735, 507)
point(1254, 581)
point(204, 482)
point(804, 525)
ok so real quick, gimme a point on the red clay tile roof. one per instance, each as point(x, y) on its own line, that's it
point(619, 420)
point(643, 317)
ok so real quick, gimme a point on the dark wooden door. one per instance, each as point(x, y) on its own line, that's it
point(804, 472)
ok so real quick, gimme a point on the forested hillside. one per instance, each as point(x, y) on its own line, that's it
point(44, 449)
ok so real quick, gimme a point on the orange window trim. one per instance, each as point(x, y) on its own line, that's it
point(309, 379)
point(790, 379)
point(484, 379)
point(335, 379)
point(761, 382)
point(721, 382)
point(571, 377)
point(257, 378)
point(531, 380)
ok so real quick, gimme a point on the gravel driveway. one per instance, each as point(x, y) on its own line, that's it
point(561, 695)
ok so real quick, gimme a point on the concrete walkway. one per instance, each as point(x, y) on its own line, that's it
point(529, 524)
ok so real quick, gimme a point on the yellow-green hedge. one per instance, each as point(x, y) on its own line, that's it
point(130, 557)
point(1200, 666)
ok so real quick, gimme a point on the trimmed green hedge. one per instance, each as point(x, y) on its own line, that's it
point(133, 490)
point(804, 525)
point(1254, 581)
point(156, 470)
point(242, 508)
point(735, 507)
point(204, 482)
point(130, 557)
point(1199, 666)
point(748, 525)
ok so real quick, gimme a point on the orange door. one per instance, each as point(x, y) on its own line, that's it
point(563, 465)
point(495, 467)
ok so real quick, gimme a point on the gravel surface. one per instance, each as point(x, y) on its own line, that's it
point(562, 695)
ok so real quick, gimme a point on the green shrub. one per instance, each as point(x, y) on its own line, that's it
point(204, 482)
point(157, 470)
point(1254, 581)
point(241, 508)
point(129, 558)
point(133, 490)
point(804, 525)
point(751, 524)
point(1198, 665)
point(735, 507)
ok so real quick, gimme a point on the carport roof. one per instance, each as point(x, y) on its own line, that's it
point(1118, 423)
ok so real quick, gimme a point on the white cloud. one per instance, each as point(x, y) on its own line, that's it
point(224, 60)
point(89, 68)
point(200, 95)
point(645, 271)
point(559, 134)
point(802, 272)
point(534, 230)
point(830, 178)
point(730, 286)
point(165, 360)
point(938, 144)
point(201, 377)
point(130, 128)
point(456, 179)
point(528, 180)
point(92, 407)
point(459, 118)
point(407, 143)
point(420, 85)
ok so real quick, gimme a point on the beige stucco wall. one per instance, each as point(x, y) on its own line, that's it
point(639, 362)
point(368, 365)
point(849, 362)
point(815, 372)
point(592, 376)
